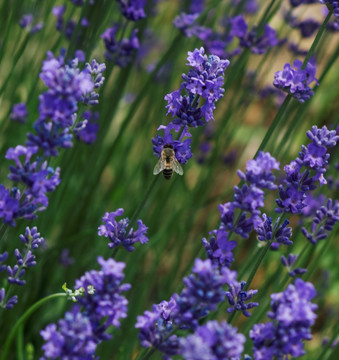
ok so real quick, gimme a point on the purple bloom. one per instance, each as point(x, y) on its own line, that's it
point(65, 259)
point(19, 113)
point(326, 217)
point(133, 9)
point(292, 317)
point(202, 293)
point(238, 26)
point(288, 264)
point(299, 182)
point(197, 6)
point(258, 43)
point(182, 148)
point(259, 171)
point(205, 80)
point(219, 248)
point(237, 297)
point(107, 305)
point(116, 231)
point(155, 327)
point(296, 80)
point(276, 236)
point(26, 23)
point(73, 338)
point(213, 341)
point(184, 21)
point(121, 52)
point(308, 27)
point(87, 129)
point(24, 259)
point(334, 5)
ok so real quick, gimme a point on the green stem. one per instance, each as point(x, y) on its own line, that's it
point(142, 203)
point(276, 121)
point(316, 40)
point(23, 318)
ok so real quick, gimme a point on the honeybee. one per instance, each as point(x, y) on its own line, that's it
point(167, 163)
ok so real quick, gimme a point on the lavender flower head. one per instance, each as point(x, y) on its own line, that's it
point(324, 220)
point(120, 52)
point(275, 235)
point(288, 263)
point(72, 338)
point(133, 9)
point(24, 259)
point(181, 147)
point(305, 171)
point(116, 231)
point(259, 171)
point(213, 341)
point(19, 113)
point(202, 293)
point(296, 80)
point(238, 298)
point(107, 302)
point(292, 317)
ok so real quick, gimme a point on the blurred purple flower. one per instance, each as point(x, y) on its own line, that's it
point(19, 113)
point(326, 217)
point(116, 231)
point(120, 52)
point(296, 81)
point(133, 9)
point(312, 160)
point(293, 315)
point(213, 341)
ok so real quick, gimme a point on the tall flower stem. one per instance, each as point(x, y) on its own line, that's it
point(23, 318)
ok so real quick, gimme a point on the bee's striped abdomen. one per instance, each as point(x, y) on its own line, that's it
point(168, 173)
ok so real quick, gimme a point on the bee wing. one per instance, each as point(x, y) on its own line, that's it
point(177, 167)
point(159, 166)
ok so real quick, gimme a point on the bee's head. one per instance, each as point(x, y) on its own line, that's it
point(168, 146)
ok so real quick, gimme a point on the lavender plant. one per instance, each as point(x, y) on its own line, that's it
point(257, 279)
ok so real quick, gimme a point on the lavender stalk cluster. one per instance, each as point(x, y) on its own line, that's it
point(24, 259)
point(303, 173)
point(120, 50)
point(292, 316)
point(222, 43)
point(193, 104)
point(296, 80)
point(78, 334)
point(117, 231)
point(213, 341)
point(68, 28)
point(67, 87)
point(202, 293)
point(324, 220)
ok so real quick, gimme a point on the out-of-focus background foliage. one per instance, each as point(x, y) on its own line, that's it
point(116, 171)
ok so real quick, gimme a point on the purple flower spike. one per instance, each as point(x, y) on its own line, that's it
point(277, 237)
point(326, 217)
point(237, 297)
point(116, 231)
point(213, 341)
point(288, 264)
point(182, 148)
point(19, 113)
point(296, 80)
point(73, 338)
point(259, 171)
point(312, 160)
point(292, 317)
point(133, 10)
point(121, 52)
